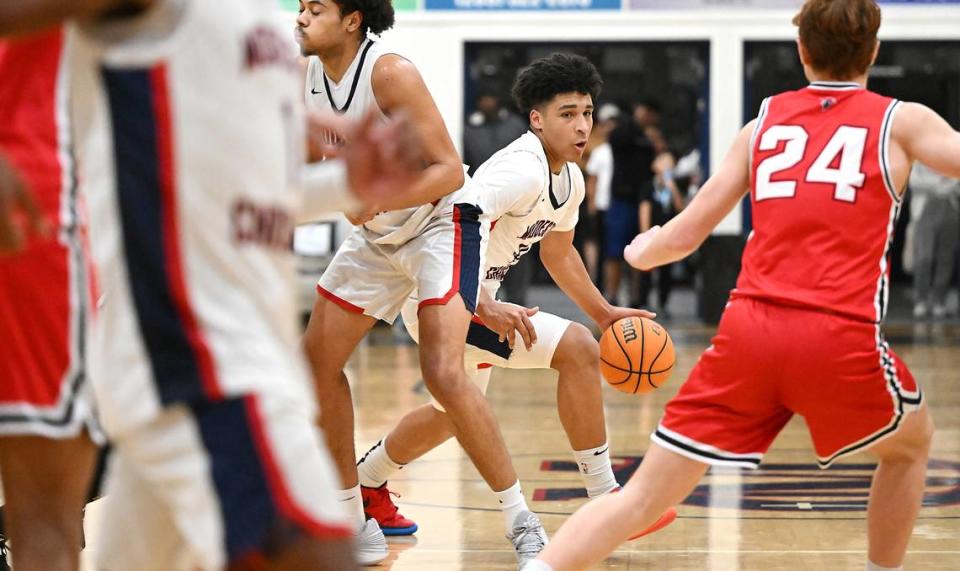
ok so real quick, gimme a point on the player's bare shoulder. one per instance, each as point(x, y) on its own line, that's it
point(920, 134)
point(912, 122)
point(394, 80)
point(910, 116)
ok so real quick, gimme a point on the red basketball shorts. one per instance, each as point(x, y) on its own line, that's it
point(768, 362)
point(44, 390)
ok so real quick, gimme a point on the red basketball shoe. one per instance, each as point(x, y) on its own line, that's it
point(378, 504)
point(666, 519)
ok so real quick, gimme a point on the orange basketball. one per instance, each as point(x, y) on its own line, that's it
point(636, 355)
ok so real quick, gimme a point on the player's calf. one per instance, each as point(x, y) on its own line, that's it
point(897, 490)
point(580, 405)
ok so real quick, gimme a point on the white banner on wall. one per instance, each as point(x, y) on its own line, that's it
point(752, 4)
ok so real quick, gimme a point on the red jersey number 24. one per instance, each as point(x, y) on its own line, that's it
point(839, 163)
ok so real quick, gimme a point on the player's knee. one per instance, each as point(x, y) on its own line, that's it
point(926, 430)
point(442, 371)
point(445, 381)
point(446, 395)
point(577, 349)
point(912, 443)
point(920, 436)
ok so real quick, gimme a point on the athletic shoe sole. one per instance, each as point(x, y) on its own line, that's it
point(397, 531)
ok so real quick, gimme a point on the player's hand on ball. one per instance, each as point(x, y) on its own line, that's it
point(508, 319)
point(617, 313)
point(633, 251)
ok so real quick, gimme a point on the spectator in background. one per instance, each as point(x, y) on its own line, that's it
point(490, 128)
point(634, 143)
point(599, 171)
point(936, 221)
point(661, 199)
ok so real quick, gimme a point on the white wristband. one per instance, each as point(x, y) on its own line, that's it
point(325, 190)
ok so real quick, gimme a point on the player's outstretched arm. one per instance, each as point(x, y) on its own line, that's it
point(24, 16)
point(565, 266)
point(399, 88)
point(928, 138)
point(684, 234)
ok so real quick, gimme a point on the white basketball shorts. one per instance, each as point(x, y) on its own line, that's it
point(484, 348)
point(217, 484)
point(444, 260)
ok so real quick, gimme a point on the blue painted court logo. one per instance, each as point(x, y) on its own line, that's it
point(782, 487)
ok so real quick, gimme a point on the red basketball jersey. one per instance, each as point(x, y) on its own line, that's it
point(823, 200)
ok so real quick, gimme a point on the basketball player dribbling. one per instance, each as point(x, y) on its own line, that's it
point(434, 247)
point(826, 167)
point(533, 189)
point(195, 356)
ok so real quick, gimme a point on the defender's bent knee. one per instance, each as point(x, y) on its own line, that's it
point(911, 443)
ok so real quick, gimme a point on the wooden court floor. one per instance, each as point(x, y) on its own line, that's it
point(788, 515)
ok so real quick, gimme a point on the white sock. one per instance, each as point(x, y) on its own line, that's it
point(511, 504)
point(537, 565)
point(871, 566)
point(596, 471)
point(353, 505)
point(376, 467)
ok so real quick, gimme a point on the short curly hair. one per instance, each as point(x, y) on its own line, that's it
point(557, 73)
point(378, 15)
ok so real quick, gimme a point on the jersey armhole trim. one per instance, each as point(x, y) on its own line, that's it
point(761, 118)
point(886, 127)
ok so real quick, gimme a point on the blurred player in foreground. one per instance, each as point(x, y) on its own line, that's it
point(195, 354)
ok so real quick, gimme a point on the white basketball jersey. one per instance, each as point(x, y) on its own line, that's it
point(353, 97)
point(191, 137)
point(525, 201)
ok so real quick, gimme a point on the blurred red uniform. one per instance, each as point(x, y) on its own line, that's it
point(45, 287)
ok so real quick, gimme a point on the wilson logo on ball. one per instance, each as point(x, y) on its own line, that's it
point(628, 330)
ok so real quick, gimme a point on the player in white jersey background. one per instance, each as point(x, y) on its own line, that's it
point(533, 189)
point(434, 247)
point(192, 215)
